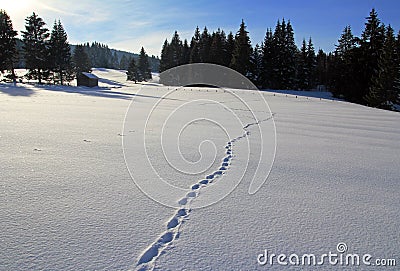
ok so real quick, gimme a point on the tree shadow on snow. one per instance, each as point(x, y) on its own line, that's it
point(25, 89)
point(103, 92)
point(18, 90)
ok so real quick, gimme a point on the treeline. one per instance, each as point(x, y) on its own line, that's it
point(277, 63)
point(49, 57)
point(364, 69)
point(100, 55)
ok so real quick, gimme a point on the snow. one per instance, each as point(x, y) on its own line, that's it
point(68, 201)
point(90, 75)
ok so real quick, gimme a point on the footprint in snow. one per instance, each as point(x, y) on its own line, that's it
point(183, 201)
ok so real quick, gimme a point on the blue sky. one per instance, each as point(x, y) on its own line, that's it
point(128, 25)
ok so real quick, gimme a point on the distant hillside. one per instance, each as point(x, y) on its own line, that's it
point(117, 59)
point(102, 57)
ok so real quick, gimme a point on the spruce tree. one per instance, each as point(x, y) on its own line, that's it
point(267, 60)
point(346, 41)
point(302, 67)
point(8, 51)
point(205, 46)
point(311, 65)
point(60, 53)
point(132, 72)
point(289, 57)
point(277, 60)
point(195, 47)
point(241, 58)
point(228, 50)
point(371, 45)
point(81, 60)
point(398, 49)
point(217, 48)
point(256, 65)
point(284, 55)
point(176, 50)
point(382, 92)
point(343, 63)
point(36, 53)
point(322, 68)
point(166, 60)
point(143, 66)
point(185, 53)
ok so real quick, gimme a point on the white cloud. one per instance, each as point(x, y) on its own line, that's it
point(152, 42)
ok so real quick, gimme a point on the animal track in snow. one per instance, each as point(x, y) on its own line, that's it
point(148, 258)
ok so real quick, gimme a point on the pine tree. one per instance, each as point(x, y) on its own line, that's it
point(81, 60)
point(143, 66)
point(132, 72)
point(241, 58)
point(8, 51)
point(36, 53)
point(60, 53)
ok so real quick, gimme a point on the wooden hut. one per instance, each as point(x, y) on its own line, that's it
point(87, 79)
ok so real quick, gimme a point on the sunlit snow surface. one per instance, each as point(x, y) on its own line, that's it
point(67, 200)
